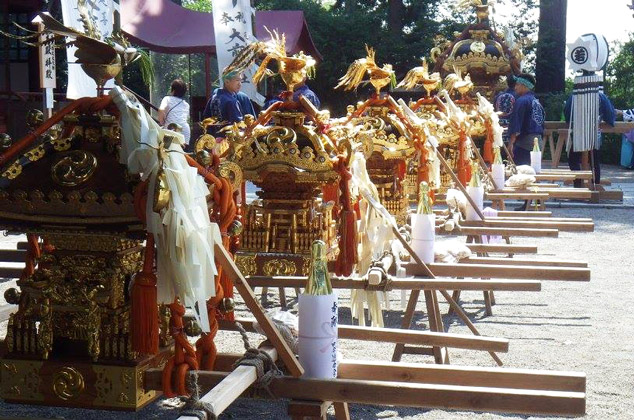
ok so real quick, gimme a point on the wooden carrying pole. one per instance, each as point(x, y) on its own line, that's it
point(531, 224)
point(395, 335)
point(292, 282)
point(230, 388)
point(457, 397)
point(445, 374)
point(502, 271)
point(283, 350)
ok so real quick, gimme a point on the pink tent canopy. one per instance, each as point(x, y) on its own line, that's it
point(166, 27)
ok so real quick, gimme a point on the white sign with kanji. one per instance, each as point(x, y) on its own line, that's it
point(46, 57)
point(101, 11)
point(233, 30)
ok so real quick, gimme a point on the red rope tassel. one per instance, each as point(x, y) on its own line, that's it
point(347, 257)
point(464, 169)
point(487, 150)
point(144, 312)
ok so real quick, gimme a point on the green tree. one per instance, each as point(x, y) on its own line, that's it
point(619, 75)
point(341, 30)
point(197, 5)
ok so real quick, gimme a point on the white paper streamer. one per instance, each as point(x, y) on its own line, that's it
point(487, 239)
point(183, 234)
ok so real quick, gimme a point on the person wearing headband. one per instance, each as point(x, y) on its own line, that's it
point(527, 120)
point(228, 104)
point(526, 123)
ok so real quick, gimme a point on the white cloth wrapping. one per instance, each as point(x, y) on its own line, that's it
point(183, 233)
point(457, 201)
point(451, 251)
point(525, 170)
point(317, 341)
point(491, 239)
point(423, 236)
point(536, 161)
point(477, 195)
point(520, 180)
point(497, 172)
point(376, 235)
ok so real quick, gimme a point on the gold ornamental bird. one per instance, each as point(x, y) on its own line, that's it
point(419, 76)
point(102, 58)
point(292, 69)
point(379, 76)
point(455, 81)
point(481, 7)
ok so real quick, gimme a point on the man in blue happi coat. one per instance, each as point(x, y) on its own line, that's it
point(228, 104)
point(301, 89)
point(527, 120)
point(504, 102)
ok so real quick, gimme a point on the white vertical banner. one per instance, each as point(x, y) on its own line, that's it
point(46, 56)
point(233, 30)
point(101, 11)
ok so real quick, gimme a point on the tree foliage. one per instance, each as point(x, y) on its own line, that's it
point(619, 75)
point(197, 5)
point(341, 30)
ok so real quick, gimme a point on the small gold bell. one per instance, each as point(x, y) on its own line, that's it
point(192, 329)
point(235, 228)
point(5, 141)
point(12, 296)
point(226, 305)
point(34, 118)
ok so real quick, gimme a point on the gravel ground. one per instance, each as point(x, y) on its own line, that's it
point(584, 327)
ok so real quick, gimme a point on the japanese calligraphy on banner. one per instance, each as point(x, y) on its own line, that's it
point(46, 56)
point(47, 61)
point(101, 11)
point(233, 30)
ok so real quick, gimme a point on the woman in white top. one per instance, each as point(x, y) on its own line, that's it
point(174, 109)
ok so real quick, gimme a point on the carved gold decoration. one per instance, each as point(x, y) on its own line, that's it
point(106, 207)
point(277, 148)
point(29, 381)
point(13, 171)
point(121, 387)
point(68, 383)
point(96, 243)
point(306, 266)
point(36, 154)
point(61, 145)
point(233, 173)
point(246, 264)
point(280, 267)
point(20, 378)
point(162, 193)
point(73, 168)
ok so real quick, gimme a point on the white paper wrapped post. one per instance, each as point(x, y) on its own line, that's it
point(477, 195)
point(497, 172)
point(536, 161)
point(317, 343)
point(423, 236)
